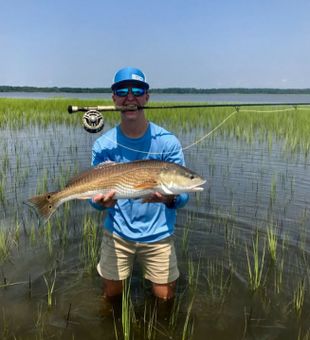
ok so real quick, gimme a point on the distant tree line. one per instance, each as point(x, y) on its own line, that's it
point(174, 90)
point(54, 89)
point(231, 90)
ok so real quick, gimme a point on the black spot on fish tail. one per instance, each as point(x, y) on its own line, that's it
point(44, 206)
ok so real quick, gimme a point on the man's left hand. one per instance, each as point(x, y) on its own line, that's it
point(157, 197)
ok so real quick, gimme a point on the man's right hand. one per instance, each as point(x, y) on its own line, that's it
point(107, 201)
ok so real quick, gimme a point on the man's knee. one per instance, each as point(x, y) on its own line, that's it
point(112, 287)
point(164, 291)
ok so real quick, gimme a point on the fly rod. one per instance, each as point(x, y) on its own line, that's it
point(93, 120)
point(73, 109)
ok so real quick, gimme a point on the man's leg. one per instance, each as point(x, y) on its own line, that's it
point(116, 262)
point(160, 266)
point(164, 291)
point(114, 267)
point(164, 295)
point(112, 288)
point(112, 298)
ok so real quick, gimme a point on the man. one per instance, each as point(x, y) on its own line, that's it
point(136, 227)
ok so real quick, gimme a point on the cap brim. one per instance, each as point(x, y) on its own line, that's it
point(130, 82)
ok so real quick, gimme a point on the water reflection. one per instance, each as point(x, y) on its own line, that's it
point(161, 97)
point(251, 186)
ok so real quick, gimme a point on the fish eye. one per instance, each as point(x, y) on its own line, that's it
point(191, 176)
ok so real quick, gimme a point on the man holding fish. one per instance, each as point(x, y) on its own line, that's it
point(139, 179)
point(141, 228)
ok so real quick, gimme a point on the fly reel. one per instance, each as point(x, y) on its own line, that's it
point(93, 121)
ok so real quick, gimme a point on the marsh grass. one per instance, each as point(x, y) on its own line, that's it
point(185, 238)
point(256, 266)
point(230, 234)
point(193, 275)
point(278, 277)
point(210, 288)
point(279, 266)
point(273, 190)
point(2, 187)
point(272, 241)
point(42, 183)
point(16, 113)
point(5, 161)
point(149, 321)
point(305, 336)
point(40, 320)
point(50, 286)
point(9, 238)
point(248, 124)
point(91, 238)
point(128, 313)
point(217, 285)
point(193, 270)
point(49, 236)
point(5, 245)
point(115, 325)
point(188, 328)
point(176, 309)
point(5, 331)
point(33, 235)
point(299, 298)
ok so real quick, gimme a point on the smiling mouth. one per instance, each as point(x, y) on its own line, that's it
point(130, 107)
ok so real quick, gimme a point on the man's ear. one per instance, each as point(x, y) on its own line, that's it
point(147, 97)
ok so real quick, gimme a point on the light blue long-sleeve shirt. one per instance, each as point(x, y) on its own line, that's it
point(130, 218)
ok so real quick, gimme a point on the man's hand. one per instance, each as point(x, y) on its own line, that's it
point(157, 197)
point(107, 201)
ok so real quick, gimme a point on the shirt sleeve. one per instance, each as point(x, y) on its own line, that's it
point(175, 154)
point(97, 158)
point(98, 154)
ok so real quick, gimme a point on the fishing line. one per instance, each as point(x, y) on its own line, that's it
point(269, 111)
point(184, 148)
point(209, 133)
point(206, 135)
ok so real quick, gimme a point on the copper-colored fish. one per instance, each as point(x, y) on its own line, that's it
point(136, 179)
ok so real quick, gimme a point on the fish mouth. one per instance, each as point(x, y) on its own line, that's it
point(197, 187)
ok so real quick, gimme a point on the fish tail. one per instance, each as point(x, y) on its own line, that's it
point(44, 205)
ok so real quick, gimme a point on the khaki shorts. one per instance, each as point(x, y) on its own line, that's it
point(117, 257)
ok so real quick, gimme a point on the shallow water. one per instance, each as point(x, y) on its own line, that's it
point(251, 185)
point(173, 97)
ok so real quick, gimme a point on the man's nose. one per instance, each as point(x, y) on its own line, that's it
point(130, 95)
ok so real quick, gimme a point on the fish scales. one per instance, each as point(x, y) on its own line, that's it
point(129, 180)
point(106, 179)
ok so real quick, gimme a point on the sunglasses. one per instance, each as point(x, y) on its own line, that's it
point(136, 91)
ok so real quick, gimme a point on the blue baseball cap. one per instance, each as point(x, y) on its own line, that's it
point(129, 75)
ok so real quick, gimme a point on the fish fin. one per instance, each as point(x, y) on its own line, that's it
point(87, 172)
point(149, 184)
point(104, 164)
point(44, 205)
point(167, 191)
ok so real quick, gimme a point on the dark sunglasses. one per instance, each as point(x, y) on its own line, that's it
point(123, 92)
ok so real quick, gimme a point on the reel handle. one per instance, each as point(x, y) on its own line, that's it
point(73, 109)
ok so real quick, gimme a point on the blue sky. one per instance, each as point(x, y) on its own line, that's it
point(198, 43)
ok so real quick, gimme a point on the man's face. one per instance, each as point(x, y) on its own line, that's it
point(130, 95)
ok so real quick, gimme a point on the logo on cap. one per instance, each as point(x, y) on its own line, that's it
point(137, 77)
